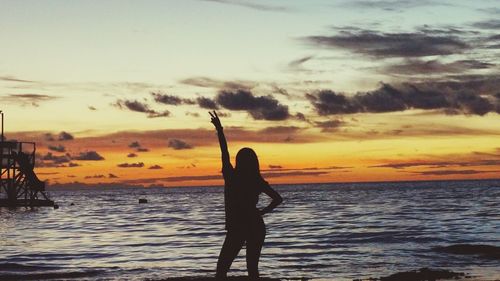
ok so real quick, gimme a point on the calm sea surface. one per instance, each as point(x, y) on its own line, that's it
point(323, 231)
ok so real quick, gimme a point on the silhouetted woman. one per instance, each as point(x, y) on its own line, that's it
point(244, 224)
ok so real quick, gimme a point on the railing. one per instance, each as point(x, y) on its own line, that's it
point(7, 147)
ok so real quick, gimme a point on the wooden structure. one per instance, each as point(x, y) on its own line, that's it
point(19, 185)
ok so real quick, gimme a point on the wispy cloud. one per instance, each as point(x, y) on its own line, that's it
point(206, 82)
point(413, 67)
point(253, 5)
point(440, 164)
point(453, 172)
point(297, 64)
point(390, 5)
point(28, 99)
point(446, 165)
point(15, 79)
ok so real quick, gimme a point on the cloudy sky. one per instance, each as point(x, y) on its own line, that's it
point(117, 92)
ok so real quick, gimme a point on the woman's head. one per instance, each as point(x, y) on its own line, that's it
point(247, 163)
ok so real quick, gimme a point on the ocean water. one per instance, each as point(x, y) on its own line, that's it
point(321, 231)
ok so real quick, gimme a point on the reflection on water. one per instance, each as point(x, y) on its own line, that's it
point(331, 231)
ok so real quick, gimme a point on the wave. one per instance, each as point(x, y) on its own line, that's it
point(49, 275)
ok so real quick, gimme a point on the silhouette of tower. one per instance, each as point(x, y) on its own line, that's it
point(17, 177)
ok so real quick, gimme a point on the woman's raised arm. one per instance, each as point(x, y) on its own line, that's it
point(226, 163)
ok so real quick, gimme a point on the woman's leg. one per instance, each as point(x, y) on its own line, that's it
point(232, 245)
point(255, 240)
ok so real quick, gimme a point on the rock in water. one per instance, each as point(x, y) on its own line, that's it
point(423, 274)
point(143, 200)
point(485, 251)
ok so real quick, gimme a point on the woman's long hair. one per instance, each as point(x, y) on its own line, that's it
point(247, 165)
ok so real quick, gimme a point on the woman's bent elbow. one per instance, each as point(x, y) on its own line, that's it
point(278, 201)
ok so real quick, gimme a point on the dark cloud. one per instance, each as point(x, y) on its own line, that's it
point(301, 117)
point(488, 24)
point(57, 148)
point(95, 177)
point(155, 167)
point(387, 45)
point(131, 165)
point(88, 156)
point(451, 97)
point(420, 67)
point(327, 102)
point(155, 114)
point(207, 103)
point(56, 159)
point(131, 155)
point(171, 99)
point(275, 167)
point(50, 160)
point(178, 144)
point(112, 176)
point(49, 137)
point(27, 99)
point(134, 144)
point(137, 146)
point(330, 125)
point(167, 99)
point(65, 136)
point(138, 106)
point(260, 108)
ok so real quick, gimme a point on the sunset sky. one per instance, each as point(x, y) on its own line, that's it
point(118, 92)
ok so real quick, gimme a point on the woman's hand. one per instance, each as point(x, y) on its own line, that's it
point(215, 120)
